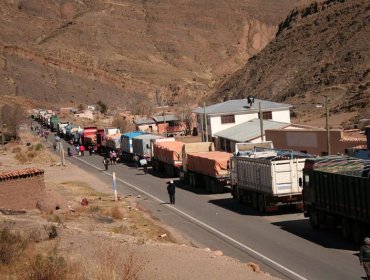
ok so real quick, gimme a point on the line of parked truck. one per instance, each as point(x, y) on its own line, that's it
point(331, 189)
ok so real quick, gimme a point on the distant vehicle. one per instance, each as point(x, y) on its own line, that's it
point(336, 191)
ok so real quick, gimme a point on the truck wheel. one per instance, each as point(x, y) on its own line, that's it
point(314, 220)
point(255, 200)
point(346, 229)
point(357, 233)
point(261, 203)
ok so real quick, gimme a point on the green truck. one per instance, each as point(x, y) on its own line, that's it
point(336, 192)
point(54, 121)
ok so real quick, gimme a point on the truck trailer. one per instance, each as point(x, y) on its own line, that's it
point(167, 157)
point(336, 191)
point(141, 145)
point(126, 144)
point(268, 180)
point(202, 166)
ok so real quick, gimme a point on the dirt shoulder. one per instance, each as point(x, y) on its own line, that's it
point(108, 236)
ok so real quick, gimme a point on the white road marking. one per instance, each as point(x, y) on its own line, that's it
point(201, 223)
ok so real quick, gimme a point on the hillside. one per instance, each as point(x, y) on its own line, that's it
point(320, 50)
point(64, 52)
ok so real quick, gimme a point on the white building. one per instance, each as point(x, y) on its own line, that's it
point(227, 114)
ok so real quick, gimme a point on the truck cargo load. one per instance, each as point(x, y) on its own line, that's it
point(268, 182)
point(141, 145)
point(336, 191)
point(214, 164)
point(168, 157)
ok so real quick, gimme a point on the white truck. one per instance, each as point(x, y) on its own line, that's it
point(267, 180)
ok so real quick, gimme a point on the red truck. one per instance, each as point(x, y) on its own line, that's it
point(89, 136)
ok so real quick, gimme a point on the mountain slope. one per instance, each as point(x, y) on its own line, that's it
point(321, 50)
point(139, 47)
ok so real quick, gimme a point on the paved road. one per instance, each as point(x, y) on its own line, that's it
point(282, 244)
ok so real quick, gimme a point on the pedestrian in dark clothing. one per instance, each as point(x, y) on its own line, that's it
point(90, 149)
point(365, 257)
point(171, 189)
point(136, 160)
point(55, 146)
point(106, 163)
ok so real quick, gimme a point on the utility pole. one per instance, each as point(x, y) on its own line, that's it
point(261, 121)
point(2, 129)
point(205, 121)
point(182, 124)
point(327, 125)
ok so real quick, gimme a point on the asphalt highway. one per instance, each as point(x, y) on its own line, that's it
point(283, 244)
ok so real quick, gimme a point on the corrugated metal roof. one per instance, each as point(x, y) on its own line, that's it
point(144, 121)
point(249, 130)
point(242, 106)
point(166, 118)
point(149, 136)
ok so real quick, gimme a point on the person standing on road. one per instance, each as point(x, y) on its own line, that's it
point(365, 257)
point(106, 163)
point(171, 189)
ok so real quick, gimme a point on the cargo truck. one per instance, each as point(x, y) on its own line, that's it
point(141, 145)
point(202, 166)
point(113, 143)
point(54, 121)
point(167, 157)
point(89, 136)
point(336, 191)
point(126, 144)
point(268, 180)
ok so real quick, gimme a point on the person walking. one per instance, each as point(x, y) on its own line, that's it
point(171, 189)
point(144, 164)
point(82, 150)
point(365, 257)
point(136, 160)
point(106, 163)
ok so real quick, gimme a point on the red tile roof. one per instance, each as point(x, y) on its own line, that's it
point(23, 173)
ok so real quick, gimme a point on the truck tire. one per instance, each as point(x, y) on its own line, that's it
point(357, 233)
point(314, 220)
point(261, 203)
point(255, 200)
point(346, 229)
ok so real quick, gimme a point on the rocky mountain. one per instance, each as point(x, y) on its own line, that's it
point(320, 50)
point(64, 52)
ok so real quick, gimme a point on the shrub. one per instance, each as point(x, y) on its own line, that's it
point(50, 267)
point(16, 150)
point(39, 147)
point(116, 213)
point(22, 157)
point(11, 244)
point(94, 209)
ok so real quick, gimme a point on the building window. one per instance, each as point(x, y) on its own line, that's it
point(222, 144)
point(227, 119)
point(267, 115)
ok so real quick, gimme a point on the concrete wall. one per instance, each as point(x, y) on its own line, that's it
point(311, 141)
point(21, 193)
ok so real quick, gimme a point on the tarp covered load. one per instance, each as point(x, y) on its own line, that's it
point(215, 164)
point(168, 152)
point(141, 144)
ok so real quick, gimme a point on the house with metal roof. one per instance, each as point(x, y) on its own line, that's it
point(249, 131)
point(169, 125)
point(230, 113)
point(146, 125)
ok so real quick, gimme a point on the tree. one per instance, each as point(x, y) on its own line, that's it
point(103, 108)
point(123, 124)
